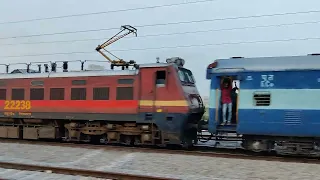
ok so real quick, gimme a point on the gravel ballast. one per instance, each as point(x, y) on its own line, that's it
point(155, 164)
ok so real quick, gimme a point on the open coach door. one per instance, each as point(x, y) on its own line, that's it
point(216, 105)
point(227, 102)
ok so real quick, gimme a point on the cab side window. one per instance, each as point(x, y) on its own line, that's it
point(160, 78)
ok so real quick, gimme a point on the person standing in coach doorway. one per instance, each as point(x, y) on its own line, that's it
point(226, 89)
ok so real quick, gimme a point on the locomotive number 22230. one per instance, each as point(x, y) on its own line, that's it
point(17, 105)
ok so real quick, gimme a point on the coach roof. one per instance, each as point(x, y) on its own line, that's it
point(280, 63)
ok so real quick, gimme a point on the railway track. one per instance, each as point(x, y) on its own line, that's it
point(198, 151)
point(79, 172)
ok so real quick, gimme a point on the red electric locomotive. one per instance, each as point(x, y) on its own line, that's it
point(154, 104)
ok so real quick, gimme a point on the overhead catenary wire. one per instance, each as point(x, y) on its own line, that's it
point(107, 12)
point(164, 24)
point(169, 47)
point(168, 34)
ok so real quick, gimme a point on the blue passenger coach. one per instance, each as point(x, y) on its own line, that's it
point(278, 98)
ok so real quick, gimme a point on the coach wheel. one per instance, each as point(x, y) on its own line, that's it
point(256, 145)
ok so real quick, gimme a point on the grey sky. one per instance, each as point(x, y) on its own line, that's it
point(197, 58)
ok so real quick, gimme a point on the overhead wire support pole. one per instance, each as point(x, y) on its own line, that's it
point(119, 62)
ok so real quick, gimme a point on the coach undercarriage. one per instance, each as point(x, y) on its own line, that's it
point(83, 131)
point(283, 145)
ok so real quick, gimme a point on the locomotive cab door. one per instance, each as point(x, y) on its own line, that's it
point(153, 90)
point(153, 82)
point(231, 99)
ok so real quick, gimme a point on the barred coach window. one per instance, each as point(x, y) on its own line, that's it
point(57, 94)
point(78, 93)
point(17, 94)
point(124, 93)
point(101, 93)
point(3, 94)
point(37, 94)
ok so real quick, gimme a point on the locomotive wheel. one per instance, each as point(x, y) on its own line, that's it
point(66, 137)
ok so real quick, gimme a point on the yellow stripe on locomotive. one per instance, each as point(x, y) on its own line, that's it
point(177, 103)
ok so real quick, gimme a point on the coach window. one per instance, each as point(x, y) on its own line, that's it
point(3, 94)
point(262, 98)
point(78, 93)
point(57, 94)
point(36, 94)
point(124, 93)
point(161, 78)
point(101, 93)
point(17, 94)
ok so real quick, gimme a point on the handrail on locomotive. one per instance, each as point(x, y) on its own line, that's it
point(119, 62)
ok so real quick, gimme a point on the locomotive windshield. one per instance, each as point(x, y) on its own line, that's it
point(186, 76)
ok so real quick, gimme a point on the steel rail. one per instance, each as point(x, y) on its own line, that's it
point(79, 172)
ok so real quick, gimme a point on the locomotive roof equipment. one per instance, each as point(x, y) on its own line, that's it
point(120, 62)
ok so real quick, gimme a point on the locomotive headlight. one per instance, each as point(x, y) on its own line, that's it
point(194, 102)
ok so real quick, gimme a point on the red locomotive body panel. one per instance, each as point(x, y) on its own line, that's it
point(110, 104)
point(87, 105)
point(167, 96)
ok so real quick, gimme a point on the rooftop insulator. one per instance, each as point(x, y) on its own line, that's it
point(53, 67)
point(39, 68)
point(132, 62)
point(65, 66)
point(28, 68)
point(82, 65)
point(46, 68)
